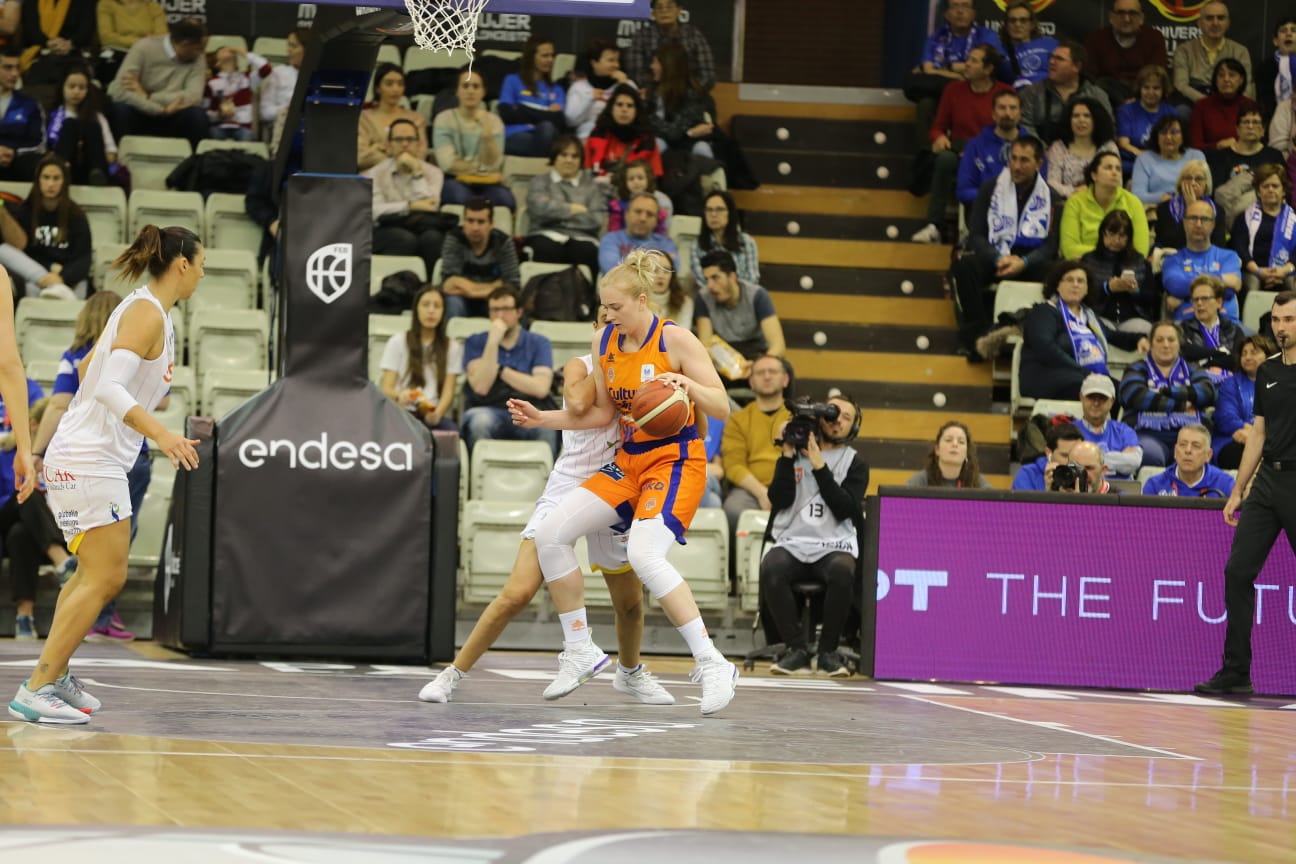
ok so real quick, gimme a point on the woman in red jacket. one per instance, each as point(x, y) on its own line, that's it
point(621, 134)
point(1214, 118)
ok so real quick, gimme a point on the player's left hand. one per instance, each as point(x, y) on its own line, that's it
point(813, 453)
point(524, 414)
point(24, 474)
point(679, 381)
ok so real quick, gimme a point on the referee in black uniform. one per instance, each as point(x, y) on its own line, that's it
point(1271, 506)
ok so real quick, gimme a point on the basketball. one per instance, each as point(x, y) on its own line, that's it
point(660, 408)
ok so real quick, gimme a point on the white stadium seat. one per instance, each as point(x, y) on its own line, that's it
point(105, 208)
point(382, 266)
point(381, 329)
point(150, 159)
point(45, 327)
point(704, 558)
point(490, 543)
point(165, 209)
point(568, 338)
point(223, 390)
point(230, 281)
point(509, 470)
point(228, 225)
point(749, 538)
point(230, 339)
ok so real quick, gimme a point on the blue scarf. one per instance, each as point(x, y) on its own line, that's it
point(1284, 230)
point(1178, 207)
point(1008, 228)
point(56, 125)
point(1086, 345)
point(1180, 375)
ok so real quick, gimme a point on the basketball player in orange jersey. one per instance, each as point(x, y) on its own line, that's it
point(657, 481)
point(127, 373)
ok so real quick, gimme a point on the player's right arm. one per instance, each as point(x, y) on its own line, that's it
point(140, 335)
point(599, 414)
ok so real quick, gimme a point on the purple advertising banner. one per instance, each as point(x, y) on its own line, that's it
point(1023, 592)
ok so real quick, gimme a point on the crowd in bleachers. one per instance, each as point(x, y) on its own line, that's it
point(1119, 214)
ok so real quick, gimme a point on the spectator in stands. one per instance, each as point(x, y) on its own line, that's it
point(567, 209)
point(406, 199)
point(1064, 342)
point(987, 154)
point(666, 27)
point(530, 103)
point(1264, 235)
point(277, 91)
point(1215, 116)
point(506, 362)
point(1119, 443)
point(815, 523)
point(1248, 150)
point(1012, 234)
point(159, 86)
point(636, 178)
point(1088, 133)
point(1194, 184)
point(944, 58)
point(679, 110)
point(92, 318)
point(1273, 75)
point(229, 93)
point(1118, 51)
point(1211, 340)
point(1235, 403)
point(477, 260)
point(749, 450)
point(122, 23)
point(1162, 393)
point(724, 231)
point(638, 233)
point(597, 72)
point(1026, 50)
point(1191, 475)
point(622, 135)
point(1196, 63)
point(670, 300)
point(22, 122)
point(56, 231)
point(55, 37)
point(1200, 256)
point(1136, 120)
point(1088, 457)
point(469, 144)
point(426, 389)
point(1042, 102)
point(1084, 211)
point(31, 534)
point(1128, 298)
point(79, 132)
point(952, 461)
point(1160, 168)
point(966, 107)
point(1037, 476)
point(739, 312)
point(376, 121)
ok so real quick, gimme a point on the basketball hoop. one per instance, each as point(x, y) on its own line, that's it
point(444, 25)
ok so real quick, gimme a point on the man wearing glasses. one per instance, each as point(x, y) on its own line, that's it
point(1200, 258)
point(1118, 51)
point(406, 199)
point(506, 362)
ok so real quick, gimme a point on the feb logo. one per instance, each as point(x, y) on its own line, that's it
point(1037, 5)
point(1180, 11)
point(328, 271)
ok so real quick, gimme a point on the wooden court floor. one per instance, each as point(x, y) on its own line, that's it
point(861, 768)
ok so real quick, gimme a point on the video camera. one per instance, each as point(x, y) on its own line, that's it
point(1065, 478)
point(805, 420)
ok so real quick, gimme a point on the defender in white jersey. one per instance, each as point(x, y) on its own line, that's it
point(97, 442)
point(583, 453)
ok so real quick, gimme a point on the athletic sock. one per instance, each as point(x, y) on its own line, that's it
point(629, 670)
point(576, 631)
point(695, 634)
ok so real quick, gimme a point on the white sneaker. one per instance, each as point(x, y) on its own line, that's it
point(718, 678)
point(642, 685)
point(44, 706)
point(929, 234)
point(70, 691)
point(575, 667)
point(441, 688)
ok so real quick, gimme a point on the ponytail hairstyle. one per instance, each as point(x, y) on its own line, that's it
point(65, 209)
point(638, 271)
point(155, 249)
point(93, 318)
point(438, 348)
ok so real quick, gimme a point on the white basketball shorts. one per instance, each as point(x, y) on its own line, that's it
point(81, 502)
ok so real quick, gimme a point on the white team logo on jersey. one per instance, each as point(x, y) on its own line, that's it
point(328, 271)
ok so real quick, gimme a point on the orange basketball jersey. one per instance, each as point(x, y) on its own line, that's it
point(625, 371)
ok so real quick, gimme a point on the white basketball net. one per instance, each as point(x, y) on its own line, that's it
point(444, 25)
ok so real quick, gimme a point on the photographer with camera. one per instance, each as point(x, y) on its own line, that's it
point(816, 493)
point(1082, 473)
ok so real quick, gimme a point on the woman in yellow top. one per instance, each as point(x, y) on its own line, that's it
point(1084, 211)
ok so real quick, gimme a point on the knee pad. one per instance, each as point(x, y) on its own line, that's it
point(576, 515)
point(646, 550)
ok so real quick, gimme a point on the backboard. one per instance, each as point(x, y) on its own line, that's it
point(563, 8)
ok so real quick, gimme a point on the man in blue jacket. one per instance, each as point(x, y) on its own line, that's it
point(987, 154)
point(22, 122)
point(1191, 475)
point(1038, 475)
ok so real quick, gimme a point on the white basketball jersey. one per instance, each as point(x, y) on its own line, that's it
point(585, 451)
point(90, 440)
